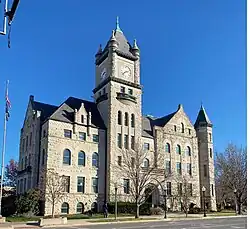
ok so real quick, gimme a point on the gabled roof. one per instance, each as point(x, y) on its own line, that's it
point(65, 112)
point(202, 118)
point(46, 109)
point(149, 122)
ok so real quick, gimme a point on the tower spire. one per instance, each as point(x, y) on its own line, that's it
point(117, 25)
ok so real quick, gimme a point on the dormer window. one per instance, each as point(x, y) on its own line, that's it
point(182, 128)
point(82, 118)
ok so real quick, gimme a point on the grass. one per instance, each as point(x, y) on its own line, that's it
point(96, 216)
point(21, 218)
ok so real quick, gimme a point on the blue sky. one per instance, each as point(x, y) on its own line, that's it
point(191, 51)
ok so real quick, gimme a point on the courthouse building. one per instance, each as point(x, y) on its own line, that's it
point(82, 140)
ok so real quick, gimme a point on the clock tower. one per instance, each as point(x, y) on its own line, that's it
point(117, 94)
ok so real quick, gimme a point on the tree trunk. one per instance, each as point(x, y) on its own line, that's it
point(53, 209)
point(137, 213)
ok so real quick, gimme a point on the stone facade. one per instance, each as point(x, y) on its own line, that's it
point(82, 140)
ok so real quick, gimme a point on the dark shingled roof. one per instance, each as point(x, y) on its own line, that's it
point(149, 122)
point(46, 109)
point(123, 45)
point(65, 112)
point(202, 118)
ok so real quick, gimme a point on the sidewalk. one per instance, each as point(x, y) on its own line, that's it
point(80, 222)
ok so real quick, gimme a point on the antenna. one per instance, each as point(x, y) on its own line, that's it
point(8, 14)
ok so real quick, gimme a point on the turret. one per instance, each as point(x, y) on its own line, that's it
point(203, 127)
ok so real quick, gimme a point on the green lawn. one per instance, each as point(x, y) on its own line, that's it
point(96, 216)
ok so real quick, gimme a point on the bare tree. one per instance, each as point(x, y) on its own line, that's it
point(231, 174)
point(54, 187)
point(140, 167)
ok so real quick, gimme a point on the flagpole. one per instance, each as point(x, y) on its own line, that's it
point(3, 151)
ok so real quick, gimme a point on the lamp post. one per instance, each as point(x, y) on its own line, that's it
point(204, 201)
point(235, 193)
point(115, 201)
point(165, 200)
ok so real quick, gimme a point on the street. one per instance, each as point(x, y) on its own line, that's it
point(225, 223)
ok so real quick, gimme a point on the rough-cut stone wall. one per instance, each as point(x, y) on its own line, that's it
point(57, 143)
point(205, 144)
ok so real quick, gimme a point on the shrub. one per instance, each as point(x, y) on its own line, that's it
point(194, 210)
point(128, 208)
point(8, 205)
point(156, 211)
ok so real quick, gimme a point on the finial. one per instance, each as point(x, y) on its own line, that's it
point(100, 48)
point(135, 46)
point(201, 105)
point(117, 25)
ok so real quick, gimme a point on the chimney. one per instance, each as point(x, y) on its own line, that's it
point(89, 122)
point(75, 121)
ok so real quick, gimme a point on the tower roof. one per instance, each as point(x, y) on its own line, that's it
point(124, 47)
point(202, 118)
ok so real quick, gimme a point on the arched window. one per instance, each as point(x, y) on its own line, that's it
point(126, 119)
point(182, 128)
point(132, 120)
point(178, 149)
point(81, 158)
point(66, 157)
point(188, 151)
point(80, 208)
point(94, 207)
point(65, 208)
point(167, 148)
point(119, 117)
point(95, 160)
point(145, 163)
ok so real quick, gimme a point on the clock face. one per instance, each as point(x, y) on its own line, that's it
point(126, 72)
point(103, 74)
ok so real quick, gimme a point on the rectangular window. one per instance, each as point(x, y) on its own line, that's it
point(178, 167)
point(210, 137)
point(205, 170)
point(82, 136)
point(126, 141)
point(25, 184)
point(66, 183)
point(95, 138)
point(67, 133)
point(180, 189)
point(80, 184)
point(119, 162)
point(130, 91)
point(104, 90)
point(132, 142)
point(27, 142)
point(82, 118)
point(169, 188)
point(30, 138)
point(168, 167)
point(29, 183)
point(210, 152)
point(100, 93)
point(119, 140)
point(146, 146)
point(122, 89)
point(21, 186)
point(190, 189)
point(189, 168)
point(126, 186)
point(94, 185)
point(132, 162)
point(212, 189)
point(189, 131)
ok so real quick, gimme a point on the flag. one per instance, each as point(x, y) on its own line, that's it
point(7, 106)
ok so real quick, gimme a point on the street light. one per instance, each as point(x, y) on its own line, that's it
point(116, 201)
point(235, 193)
point(203, 191)
point(165, 200)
